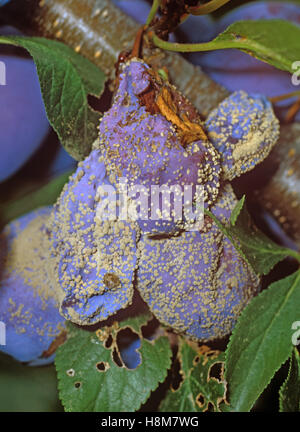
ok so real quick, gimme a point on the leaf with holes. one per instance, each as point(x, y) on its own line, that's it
point(91, 374)
point(289, 400)
point(202, 387)
point(135, 323)
point(261, 341)
point(66, 79)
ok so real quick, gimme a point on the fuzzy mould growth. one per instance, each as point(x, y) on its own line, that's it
point(193, 280)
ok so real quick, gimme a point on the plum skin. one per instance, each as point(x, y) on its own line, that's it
point(23, 121)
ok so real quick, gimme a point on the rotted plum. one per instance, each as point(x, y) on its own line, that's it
point(193, 281)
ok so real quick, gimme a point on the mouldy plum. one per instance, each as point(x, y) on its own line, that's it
point(23, 120)
point(243, 129)
point(28, 306)
point(193, 281)
point(95, 258)
point(196, 282)
point(153, 136)
point(237, 70)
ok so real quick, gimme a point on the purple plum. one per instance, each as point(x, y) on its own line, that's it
point(243, 129)
point(193, 281)
point(140, 143)
point(23, 120)
point(196, 283)
point(95, 258)
point(28, 307)
point(136, 9)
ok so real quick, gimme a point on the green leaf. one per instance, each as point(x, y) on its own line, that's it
point(273, 41)
point(44, 196)
point(24, 388)
point(261, 341)
point(254, 246)
point(237, 210)
point(199, 390)
point(84, 387)
point(66, 78)
point(289, 393)
point(261, 252)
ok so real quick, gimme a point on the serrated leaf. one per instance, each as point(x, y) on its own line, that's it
point(273, 41)
point(66, 79)
point(261, 341)
point(199, 389)
point(261, 252)
point(289, 394)
point(43, 196)
point(253, 245)
point(114, 388)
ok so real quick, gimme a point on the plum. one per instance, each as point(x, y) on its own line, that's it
point(197, 283)
point(23, 120)
point(28, 306)
point(136, 9)
point(94, 258)
point(193, 281)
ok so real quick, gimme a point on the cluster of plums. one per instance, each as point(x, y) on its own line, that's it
point(22, 105)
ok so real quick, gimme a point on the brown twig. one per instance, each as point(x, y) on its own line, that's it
point(293, 110)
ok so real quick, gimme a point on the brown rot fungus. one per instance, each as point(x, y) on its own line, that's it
point(110, 233)
point(191, 277)
point(28, 304)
